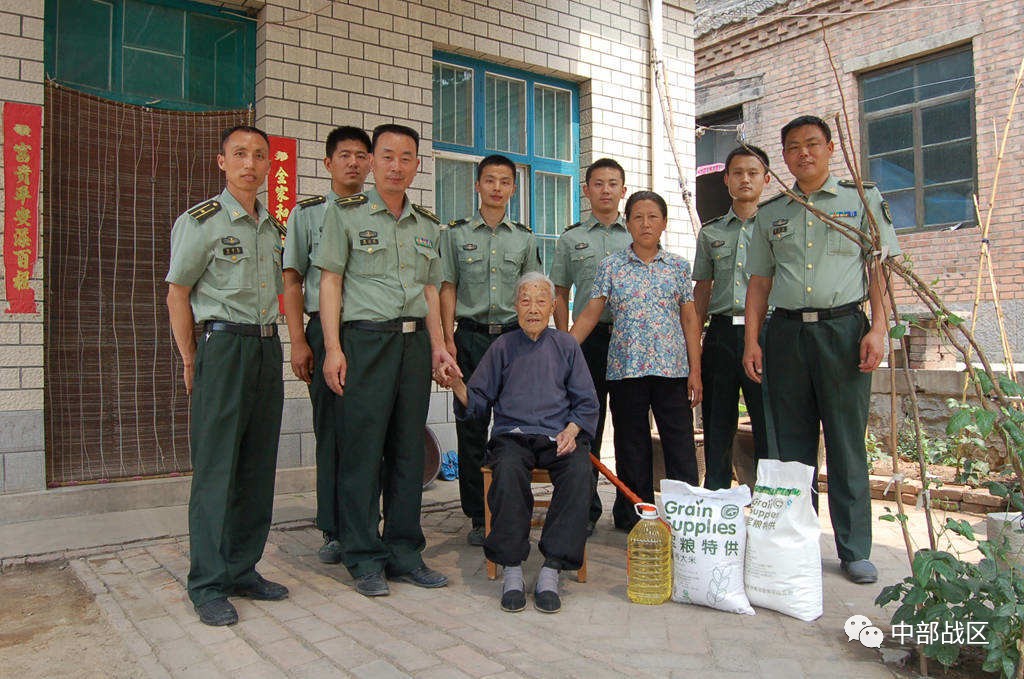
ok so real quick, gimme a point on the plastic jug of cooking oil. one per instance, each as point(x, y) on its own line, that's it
point(649, 554)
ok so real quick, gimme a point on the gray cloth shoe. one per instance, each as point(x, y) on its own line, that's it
point(862, 571)
point(330, 552)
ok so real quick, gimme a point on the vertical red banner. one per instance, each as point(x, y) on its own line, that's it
point(282, 183)
point(22, 151)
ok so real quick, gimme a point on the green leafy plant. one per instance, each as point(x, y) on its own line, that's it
point(945, 592)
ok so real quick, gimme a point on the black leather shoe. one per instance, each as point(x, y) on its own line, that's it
point(217, 613)
point(262, 590)
point(476, 536)
point(513, 601)
point(330, 552)
point(423, 577)
point(372, 584)
point(547, 601)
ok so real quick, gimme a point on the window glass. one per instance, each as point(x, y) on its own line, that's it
point(552, 123)
point(453, 104)
point(506, 114)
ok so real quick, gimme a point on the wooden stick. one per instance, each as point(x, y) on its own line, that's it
point(633, 497)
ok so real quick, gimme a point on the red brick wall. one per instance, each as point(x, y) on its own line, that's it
point(790, 56)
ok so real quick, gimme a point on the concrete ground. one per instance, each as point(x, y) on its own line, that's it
point(326, 629)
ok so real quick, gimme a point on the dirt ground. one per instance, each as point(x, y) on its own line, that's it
point(51, 627)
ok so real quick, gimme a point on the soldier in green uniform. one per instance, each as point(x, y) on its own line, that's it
point(348, 162)
point(482, 257)
point(578, 252)
point(819, 347)
point(225, 273)
point(721, 289)
point(380, 251)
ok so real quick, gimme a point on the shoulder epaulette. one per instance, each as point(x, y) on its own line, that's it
point(349, 201)
point(772, 199)
point(457, 222)
point(573, 226)
point(524, 227)
point(712, 221)
point(311, 201)
point(205, 210)
point(850, 184)
point(426, 213)
point(281, 228)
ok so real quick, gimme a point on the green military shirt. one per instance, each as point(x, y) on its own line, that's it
point(484, 265)
point(814, 266)
point(721, 256)
point(231, 261)
point(303, 240)
point(578, 252)
point(385, 262)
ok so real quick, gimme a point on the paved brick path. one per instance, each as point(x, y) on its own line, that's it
point(325, 629)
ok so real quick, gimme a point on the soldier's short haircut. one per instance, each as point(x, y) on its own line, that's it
point(394, 128)
point(638, 196)
point(495, 160)
point(531, 277)
point(747, 150)
point(241, 128)
point(346, 133)
point(806, 120)
point(604, 162)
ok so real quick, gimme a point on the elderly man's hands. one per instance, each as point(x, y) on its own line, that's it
point(445, 367)
point(565, 442)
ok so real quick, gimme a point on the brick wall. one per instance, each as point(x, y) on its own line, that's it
point(786, 58)
point(21, 335)
point(369, 62)
point(365, 62)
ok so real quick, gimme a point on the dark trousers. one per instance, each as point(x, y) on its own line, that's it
point(471, 435)
point(326, 423)
point(811, 376)
point(237, 396)
point(631, 399)
point(387, 390)
point(724, 377)
point(513, 457)
point(595, 351)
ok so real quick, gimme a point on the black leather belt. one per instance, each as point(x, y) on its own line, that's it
point(313, 315)
point(815, 315)
point(726, 319)
point(403, 325)
point(248, 329)
point(488, 328)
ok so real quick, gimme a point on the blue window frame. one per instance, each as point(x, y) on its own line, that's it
point(482, 108)
point(169, 54)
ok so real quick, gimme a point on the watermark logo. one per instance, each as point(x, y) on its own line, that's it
point(971, 633)
point(859, 627)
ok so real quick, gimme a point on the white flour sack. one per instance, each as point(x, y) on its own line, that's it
point(783, 569)
point(708, 540)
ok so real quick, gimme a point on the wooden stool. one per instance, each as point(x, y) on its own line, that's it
point(539, 476)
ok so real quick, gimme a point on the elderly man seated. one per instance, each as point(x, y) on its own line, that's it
point(545, 412)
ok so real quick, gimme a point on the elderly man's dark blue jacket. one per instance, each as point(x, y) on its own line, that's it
point(533, 387)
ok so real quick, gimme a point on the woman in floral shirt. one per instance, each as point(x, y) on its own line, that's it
point(654, 354)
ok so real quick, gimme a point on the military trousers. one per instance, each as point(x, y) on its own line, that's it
point(811, 376)
point(387, 392)
point(723, 376)
point(326, 425)
point(237, 396)
point(595, 351)
point(632, 399)
point(513, 457)
point(471, 435)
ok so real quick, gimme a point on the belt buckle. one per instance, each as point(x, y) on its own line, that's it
point(495, 328)
point(809, 316)
point(408, 326)
point(266, 331)
point(739, 320)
